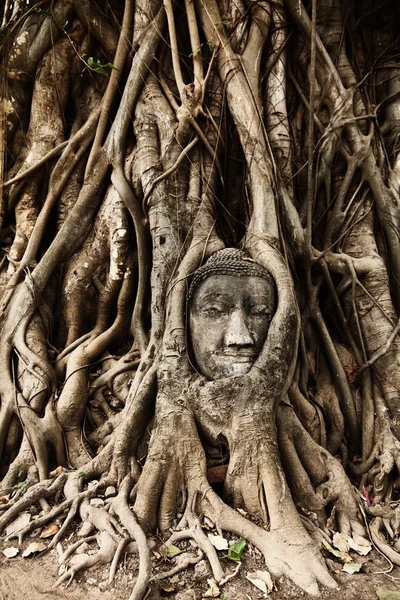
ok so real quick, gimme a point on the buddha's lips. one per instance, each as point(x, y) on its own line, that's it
point(237, 356)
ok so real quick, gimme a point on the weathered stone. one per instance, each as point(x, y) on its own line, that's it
point(233, 301)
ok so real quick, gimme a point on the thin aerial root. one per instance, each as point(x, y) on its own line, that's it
point(230, 576)
point(70, 517)
point(71, 549)
point(117, 556)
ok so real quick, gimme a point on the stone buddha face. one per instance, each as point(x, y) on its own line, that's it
point(229, 317)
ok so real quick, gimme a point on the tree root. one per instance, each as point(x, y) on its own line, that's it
point(107, 547)
point(128, 519)
point(196, 533)
point(183, 561)
point(44, 489)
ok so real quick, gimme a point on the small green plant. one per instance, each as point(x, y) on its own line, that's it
point(96, 65)
point(18, 487)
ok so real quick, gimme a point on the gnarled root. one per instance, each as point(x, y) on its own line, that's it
point(316, 478)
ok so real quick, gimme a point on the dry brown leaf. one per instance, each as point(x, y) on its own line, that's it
point(33, 548)
point(261, 580)
point(168, 589)
point(343, 556)
point(49, 531)
point(331, 518)
point(57, 471)
point(340, 541)
point(360, 544)
point(10, 552)
point(352, 568)
point(213, 590)
point(4, 499)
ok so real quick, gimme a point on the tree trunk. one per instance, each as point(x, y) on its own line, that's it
point(138, 140)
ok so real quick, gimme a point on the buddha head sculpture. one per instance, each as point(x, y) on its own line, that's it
point(231, 302)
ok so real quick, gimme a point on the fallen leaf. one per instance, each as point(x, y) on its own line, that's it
point(262, 580)
point(259, 583)
point(343, 556)
point(168, 589)
point(219, 542)
point(57, 471)
point(331, 518)
point(340, 541)
point(157, 554)
point(360, 544)
point(171, 551)
point(33, 548)
point(384, 594)
point(236, 550)
point(20, 522)
point(213, 590)
point(4, 499)
point(10, 552)
point(49, 531)
point(351, 568)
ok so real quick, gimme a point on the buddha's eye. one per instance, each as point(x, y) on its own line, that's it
point(214, 310)
point(261, 310)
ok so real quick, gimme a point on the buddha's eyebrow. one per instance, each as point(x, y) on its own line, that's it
point(214, 296)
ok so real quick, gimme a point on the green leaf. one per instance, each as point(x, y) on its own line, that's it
point(18, 487)
point(223, 597)
point(81, 474)
point(173, 551)
point(96, 65)
point(111, 66)
point(235, 552)
point(384, 594)
point(101, 70)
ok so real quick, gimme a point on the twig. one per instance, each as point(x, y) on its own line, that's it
point(54, 152)
point(169, 172)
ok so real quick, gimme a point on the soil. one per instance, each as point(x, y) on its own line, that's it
point(33, 578)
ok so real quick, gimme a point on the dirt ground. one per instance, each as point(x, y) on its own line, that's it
point(33, 577)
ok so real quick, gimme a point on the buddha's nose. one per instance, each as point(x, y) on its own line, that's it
point(237, 333)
